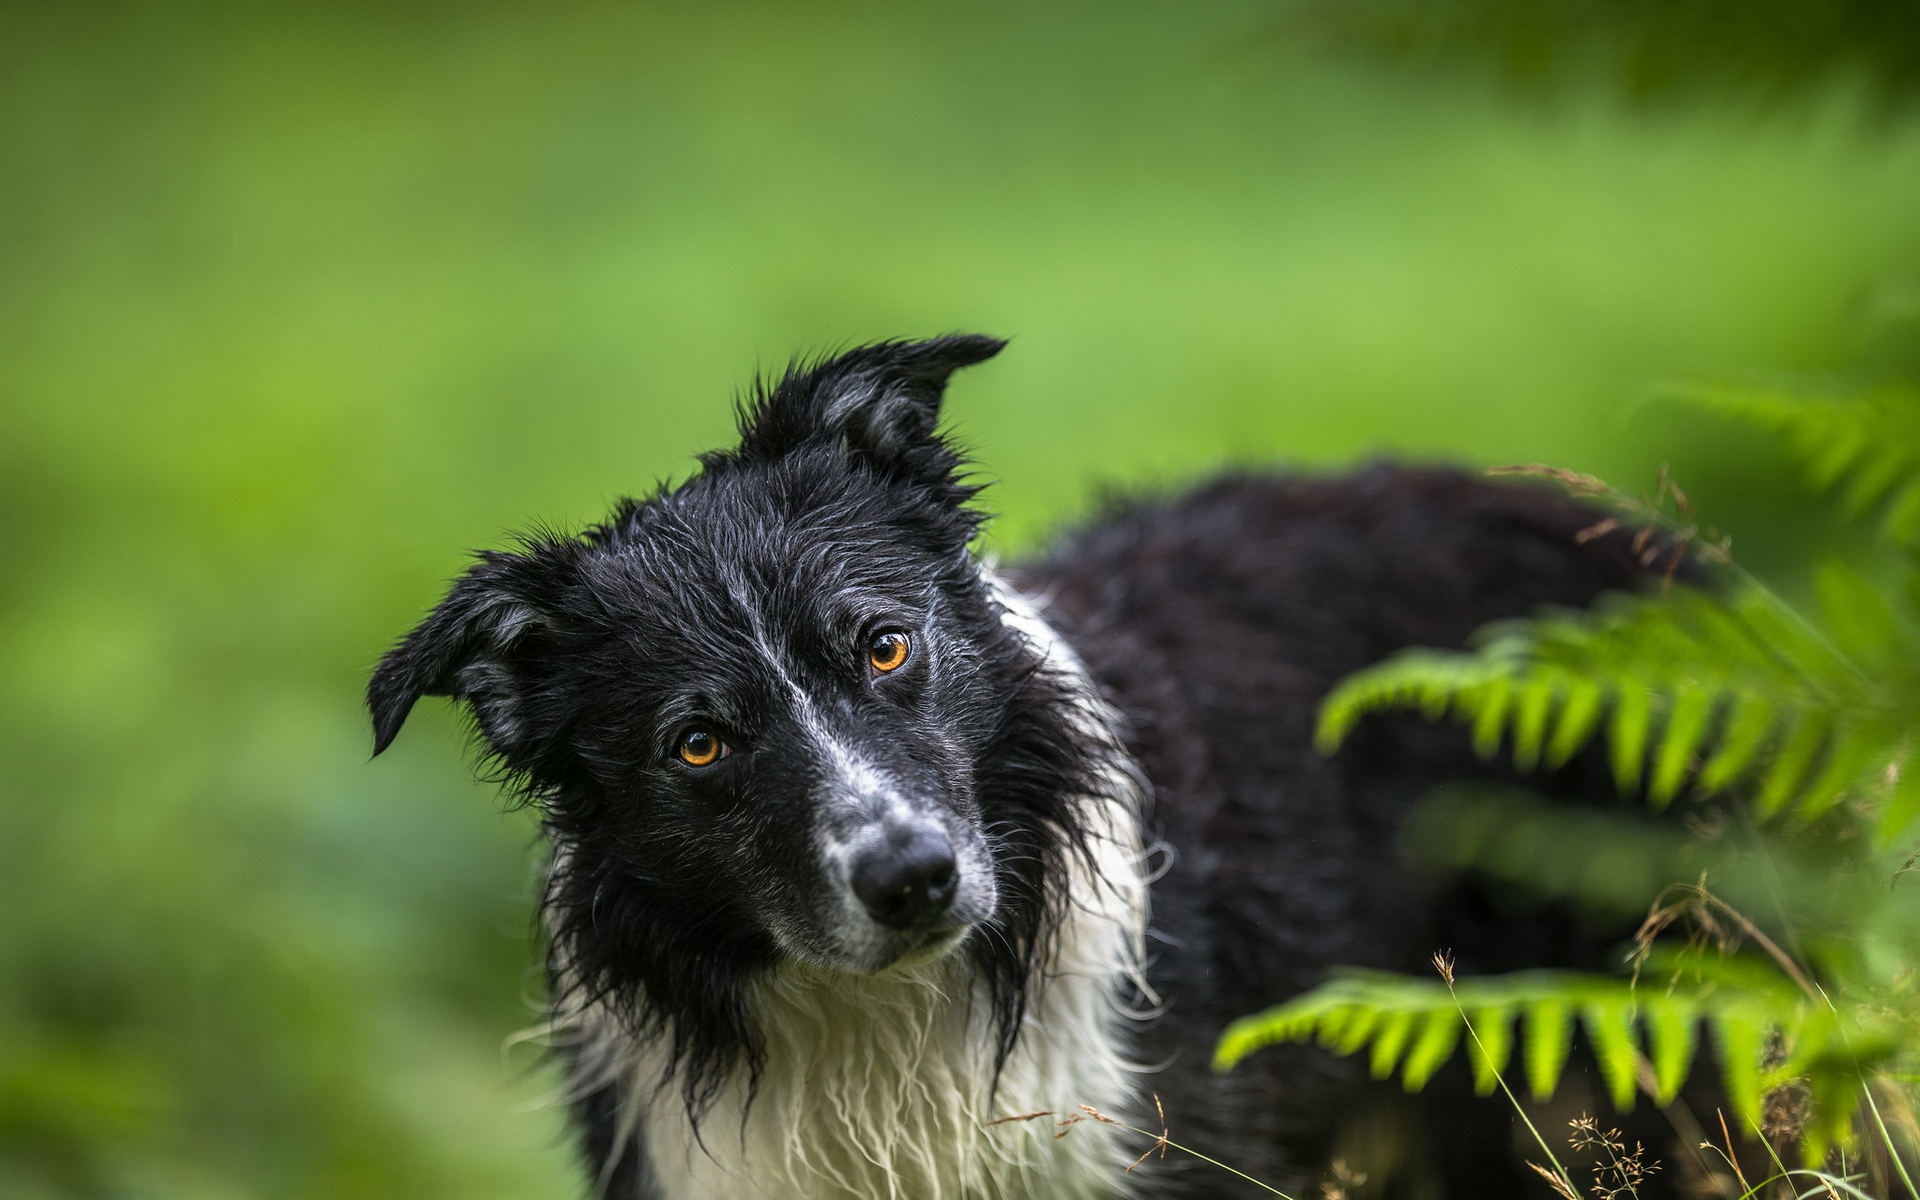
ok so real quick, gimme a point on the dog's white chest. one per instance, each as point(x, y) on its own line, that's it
point(882, 1091)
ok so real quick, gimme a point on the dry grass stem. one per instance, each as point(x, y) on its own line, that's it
point(1559, 1185)
point(1674, 535)
point(1161, 1141)
point(1619, 1177)
point(1702, 910)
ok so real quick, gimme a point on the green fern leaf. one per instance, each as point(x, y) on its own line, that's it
point(1836, 1097)
point(1741, 683)
point(1579, 716)
point(1853, 753)
point(1632, 724)
point(1686, 729)
point(1349, 1028)
point(1437, 1039)
point(1829, 461)
point(1531, 713)
point(1867, 441)
point(1549, 1036)
point(1396, 1028)
point(1670, 1025)
point(1877, 473)
point(1742, 1038)
point(1857, 613)
point(1417, 1024)
point(1492, 1045)
point(1609, 1020)
point(1749, 722)
point(1490, 715)
point(1806, 734)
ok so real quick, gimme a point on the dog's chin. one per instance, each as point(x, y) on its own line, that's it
point(885, 951)
point(929, 947)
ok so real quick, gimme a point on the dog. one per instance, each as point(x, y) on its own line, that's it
point(880, 871)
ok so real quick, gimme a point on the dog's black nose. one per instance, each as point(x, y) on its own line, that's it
point(908, 879)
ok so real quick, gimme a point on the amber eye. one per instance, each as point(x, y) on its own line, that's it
point(698, 748)
point(888, 651)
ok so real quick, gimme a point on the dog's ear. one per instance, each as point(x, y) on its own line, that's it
point(881, 401)
point(466, 648)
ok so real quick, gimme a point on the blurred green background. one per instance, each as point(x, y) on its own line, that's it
point(298, 306)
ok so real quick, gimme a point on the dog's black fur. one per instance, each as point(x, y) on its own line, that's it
point(1213, 621)
point(1217, 621)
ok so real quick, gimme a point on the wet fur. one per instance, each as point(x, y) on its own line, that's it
point(733, 1032)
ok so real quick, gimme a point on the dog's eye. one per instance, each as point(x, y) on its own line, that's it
point(888, 651)
point(698, 748)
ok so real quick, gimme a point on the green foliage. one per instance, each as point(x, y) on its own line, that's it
point(1648, 50)
point(1691, 689)
point(1642, 1037)
point(1729, 694)
point(1863, 443)
point(1715, 690)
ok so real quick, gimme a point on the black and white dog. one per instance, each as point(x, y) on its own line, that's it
point(851, 831)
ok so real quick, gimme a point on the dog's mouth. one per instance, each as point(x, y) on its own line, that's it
point(865, 948)
point(900, 950)
point(930, 947)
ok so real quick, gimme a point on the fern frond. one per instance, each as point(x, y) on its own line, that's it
point(1414, 1025)
point(1862, 443)
point(1743, 683)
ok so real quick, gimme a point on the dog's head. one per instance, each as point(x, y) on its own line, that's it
point(775, 713)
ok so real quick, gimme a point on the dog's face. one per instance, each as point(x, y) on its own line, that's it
point(755, 709)
point(776, 694)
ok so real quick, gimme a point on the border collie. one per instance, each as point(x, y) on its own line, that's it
point(852, 834)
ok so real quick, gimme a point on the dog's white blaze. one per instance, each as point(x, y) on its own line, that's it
point(882, 1086)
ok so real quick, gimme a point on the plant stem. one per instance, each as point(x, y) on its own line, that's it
point(1501, 1079)
point(1162, 1139)
point(1893, 1151)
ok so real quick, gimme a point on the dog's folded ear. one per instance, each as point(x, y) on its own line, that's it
point(468, 647)
point(882, 401)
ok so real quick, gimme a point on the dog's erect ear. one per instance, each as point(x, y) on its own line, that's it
point(464, 646)
point(882, 401)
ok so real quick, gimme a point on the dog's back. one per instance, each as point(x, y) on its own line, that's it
point(1216, 622)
